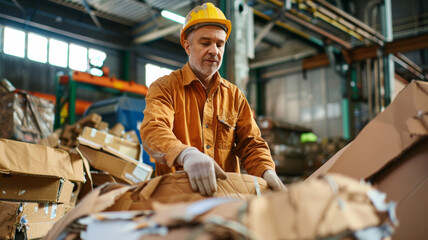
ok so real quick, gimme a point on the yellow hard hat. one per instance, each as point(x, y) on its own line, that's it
point(204, 15)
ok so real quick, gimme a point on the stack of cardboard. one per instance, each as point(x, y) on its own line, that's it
point(25, 117)
point(67, 137)
point(392, 153)
point(39, 185)
point(114, 155)
point(331, 207)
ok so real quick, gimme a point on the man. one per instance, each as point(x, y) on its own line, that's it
point(197, 121)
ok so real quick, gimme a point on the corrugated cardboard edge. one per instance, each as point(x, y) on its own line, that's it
point(412, 100)
point(98, 200)
point(87, 187)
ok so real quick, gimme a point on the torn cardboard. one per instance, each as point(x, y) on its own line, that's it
point(34, 220)
point(173, 188)
point(32, 172)
point(334, 206)
point(96, 201)
point(391, 152)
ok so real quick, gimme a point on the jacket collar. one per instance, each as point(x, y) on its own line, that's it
point(189, 77)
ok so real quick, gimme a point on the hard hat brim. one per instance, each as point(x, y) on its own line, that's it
point(206, 22)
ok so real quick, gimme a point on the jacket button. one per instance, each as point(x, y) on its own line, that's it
point(206, 125)
point(208, 146)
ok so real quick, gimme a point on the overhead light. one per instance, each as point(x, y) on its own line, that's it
point(172, 16)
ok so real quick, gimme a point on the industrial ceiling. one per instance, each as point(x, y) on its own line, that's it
point(290, 29)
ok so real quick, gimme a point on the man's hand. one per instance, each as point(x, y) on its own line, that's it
point(202, 170)
point(273, 181)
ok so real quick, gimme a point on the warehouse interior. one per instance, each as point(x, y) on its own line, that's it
point(321, 78)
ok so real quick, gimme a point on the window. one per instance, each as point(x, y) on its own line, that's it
point(153, 72)
point(1, 34)
point(37, 48)
point(96, 61)
point(14, 42)
point(58, 53)
point(78, 58)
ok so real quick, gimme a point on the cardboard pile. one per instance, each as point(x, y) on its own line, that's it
point(25, 117)
point(67, 137)
point(114, 155)
point(39, 185)
point(330, 207)
point(392, 153)
point(174, 188)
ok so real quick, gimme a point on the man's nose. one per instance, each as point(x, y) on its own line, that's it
point(213, 49)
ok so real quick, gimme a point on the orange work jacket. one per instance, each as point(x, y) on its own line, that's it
point(220, 124)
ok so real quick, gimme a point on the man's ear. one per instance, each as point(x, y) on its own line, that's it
point(187, 46)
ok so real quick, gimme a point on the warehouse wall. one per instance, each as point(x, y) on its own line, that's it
point(312, 100)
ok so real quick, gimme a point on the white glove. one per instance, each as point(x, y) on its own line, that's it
point(201, 169)
point(273, 181)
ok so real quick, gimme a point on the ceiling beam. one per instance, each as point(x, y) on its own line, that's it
point(263, 33)
point(373, 51)
point(401, 45)
point(316, 61)
point(158, 34)
point(275, 58)
point(318, 30)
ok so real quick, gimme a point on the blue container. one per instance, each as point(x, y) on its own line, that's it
point(125, 110)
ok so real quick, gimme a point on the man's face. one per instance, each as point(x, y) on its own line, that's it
point(205, 48)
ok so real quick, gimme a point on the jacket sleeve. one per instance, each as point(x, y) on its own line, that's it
point(156, 132)
point(251, 148)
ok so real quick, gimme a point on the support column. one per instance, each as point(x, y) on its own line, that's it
point(389, 69)
point(126, 65)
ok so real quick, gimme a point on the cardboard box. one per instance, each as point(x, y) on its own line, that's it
point(392, 152)
point(31, 172)
point(105, 140)
point(129, 170)
point(31, 188)
point(33, 220)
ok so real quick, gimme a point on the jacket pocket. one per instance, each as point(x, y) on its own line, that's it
point(225, 132)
